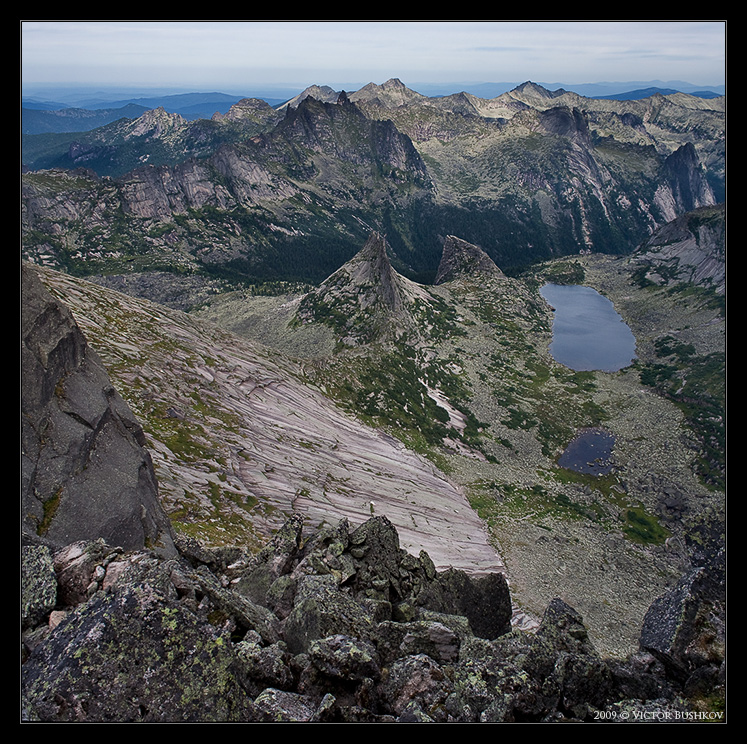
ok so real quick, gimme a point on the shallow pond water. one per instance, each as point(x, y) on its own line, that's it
point(589, 452)
point(588, 333)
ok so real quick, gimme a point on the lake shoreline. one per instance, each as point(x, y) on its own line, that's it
point(588, 333)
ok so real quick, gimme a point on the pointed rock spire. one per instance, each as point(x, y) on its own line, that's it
point(460, 258)
point(365, 299)
point(371, 271)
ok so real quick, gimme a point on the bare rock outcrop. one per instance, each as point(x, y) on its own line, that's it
point(85, 472)
point(364, 633)
point(691, 248)
point(460, 258)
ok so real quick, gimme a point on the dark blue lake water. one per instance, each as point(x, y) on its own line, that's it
point(589, 452)
point(588, 333)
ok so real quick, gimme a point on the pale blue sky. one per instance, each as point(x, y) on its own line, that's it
point(223, 54)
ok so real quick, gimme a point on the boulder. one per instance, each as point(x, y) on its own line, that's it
point(685, 628)
point(130, 654)
point(133, 636)
point(322, 610)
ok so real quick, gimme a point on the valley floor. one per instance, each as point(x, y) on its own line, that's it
point(590, 562)
point(580, 551)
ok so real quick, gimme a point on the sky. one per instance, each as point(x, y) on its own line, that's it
point(225, 55)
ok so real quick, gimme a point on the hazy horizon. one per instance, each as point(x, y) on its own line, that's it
point(292, 55)
point(76, 94)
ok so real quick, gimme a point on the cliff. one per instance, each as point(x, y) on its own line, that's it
point(85, 471)
point(690, 249)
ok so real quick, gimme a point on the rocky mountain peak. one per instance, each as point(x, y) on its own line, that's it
point(320, 92)
point(251, 109)
point(156, 123)
point(533, 89)
point(392, 93)
point(565, 122)
point(371, 268)
point(460, 258)
point(365, 298)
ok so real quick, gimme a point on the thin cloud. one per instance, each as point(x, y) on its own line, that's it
point(192, 52)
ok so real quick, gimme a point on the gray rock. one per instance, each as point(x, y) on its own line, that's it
point(131, 655)
point(264, 666)
point(345, 658)
point(280, 706)
point(322, 610)
point(80, 569)
point(416, 680)
point(685, 628)
point(85, 472)
point(484, 600)
point(38, 584)
point(434, 639)
point(243, 611)
point(145, 638)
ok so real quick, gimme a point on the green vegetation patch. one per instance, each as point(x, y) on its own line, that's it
point(643, 528)
point(564, 272)
point(697, 385)
point(494, 501)
point(554, 400)
point(391, 391)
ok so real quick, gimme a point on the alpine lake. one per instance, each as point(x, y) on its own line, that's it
point(588, 334)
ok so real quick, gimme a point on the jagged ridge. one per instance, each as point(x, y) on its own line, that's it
point(529, 174)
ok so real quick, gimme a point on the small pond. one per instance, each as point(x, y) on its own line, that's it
point(589, 452)
point(588, 333)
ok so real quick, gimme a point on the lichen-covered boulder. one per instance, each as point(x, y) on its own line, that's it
point(344, 658)
point(322, 610)
point(133, 654)
point(555, 673)
point(38, 584)
point(282, 706)
point(262, 665)
point(419, 680)
point(395, 640)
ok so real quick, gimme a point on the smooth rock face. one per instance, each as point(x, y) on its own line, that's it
point(287, 446)
point(460, 258)
point(85, 473)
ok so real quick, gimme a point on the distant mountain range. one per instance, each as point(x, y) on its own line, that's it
point(39, 117)
point(43, 112)
point(289, 193)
